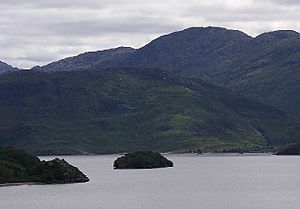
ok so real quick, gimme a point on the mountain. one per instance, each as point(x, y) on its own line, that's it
point(121, 110)
point(89, 60)
point(4, 68)
point(265, 68)
point(194, 52)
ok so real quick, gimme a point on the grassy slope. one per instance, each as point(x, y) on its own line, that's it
point(275, 80)
point(118, 110)
point(265, 68)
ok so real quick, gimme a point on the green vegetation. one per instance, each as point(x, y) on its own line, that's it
point(292, 149)
point(125, 110)
point(17, 166)
point(142, 160)
point(265, 68)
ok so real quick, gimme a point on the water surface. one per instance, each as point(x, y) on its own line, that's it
point(196, 182)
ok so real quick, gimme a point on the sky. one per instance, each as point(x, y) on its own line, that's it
point(36, 32)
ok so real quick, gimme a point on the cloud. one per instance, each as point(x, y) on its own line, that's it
point(38, 32)
point(286, 2)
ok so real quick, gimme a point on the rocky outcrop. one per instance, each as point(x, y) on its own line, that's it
point(142, 160)
point(17, 166)
point(58, 171)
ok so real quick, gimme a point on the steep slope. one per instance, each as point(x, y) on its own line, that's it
point(265, 68)
point(4, 68)
point(271, 72)
point(194, 52)
point(121, 110)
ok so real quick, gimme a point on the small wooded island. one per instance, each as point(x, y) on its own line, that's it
point(293, 149)
point(142, 160)
point(17, 166)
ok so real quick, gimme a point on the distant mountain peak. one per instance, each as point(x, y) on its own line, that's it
point(278, 35)
point(89, 60)
point(120, 49)
point(4, 67)
point(214, 30)
point(226, 57)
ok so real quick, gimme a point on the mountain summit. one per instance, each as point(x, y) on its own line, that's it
point(127, 99)
point(4, 68)
point(265, 68)
point(90, 60)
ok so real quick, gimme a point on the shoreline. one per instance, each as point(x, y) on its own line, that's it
point(175, 153)
point(20, 184)
point(35, 183)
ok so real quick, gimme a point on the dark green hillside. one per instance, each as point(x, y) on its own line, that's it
point(14, 165)
point(17, 166)
point(194, 52)
point(292, 149)
point(117, 110)
point(271, 72)
point(264, 68)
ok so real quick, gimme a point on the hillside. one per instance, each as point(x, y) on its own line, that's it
point(17, 166)
point(292, 149)
point(265, 68)
point(121, 110)
point(89, 60)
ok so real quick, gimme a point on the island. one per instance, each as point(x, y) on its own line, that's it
point(18, 166)
point(142, 160)
point(292, 149)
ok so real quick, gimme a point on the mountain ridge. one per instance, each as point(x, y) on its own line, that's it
point(88, 60)
point(237, 33)
point(6, 68)
point(264, 68)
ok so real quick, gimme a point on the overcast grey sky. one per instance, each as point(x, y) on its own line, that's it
point(36, 32)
